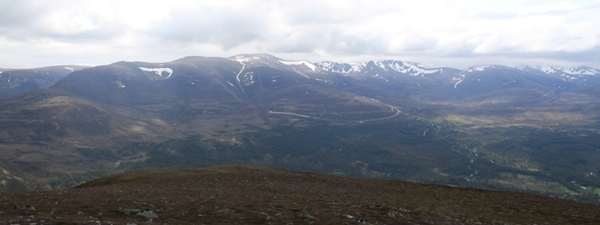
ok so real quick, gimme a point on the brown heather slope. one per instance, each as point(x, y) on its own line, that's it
point(241, 194)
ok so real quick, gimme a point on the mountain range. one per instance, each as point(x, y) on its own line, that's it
point(18, 81)
point(523, 128)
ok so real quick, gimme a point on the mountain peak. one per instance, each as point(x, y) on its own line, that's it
point(583, 70)
point(336, 67)
point(254, 57)
point(407, 68)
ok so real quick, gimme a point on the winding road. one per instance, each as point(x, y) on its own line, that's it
point(393, 109)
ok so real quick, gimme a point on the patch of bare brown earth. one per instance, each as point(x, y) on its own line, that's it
point(259, 195)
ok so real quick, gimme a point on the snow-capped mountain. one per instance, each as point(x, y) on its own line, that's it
point(274, 62)
point(302, 67)
point(579, 75)
point(406, 68)
point(404, 74)
point(475, 69)
point(576, 75)
point(482, 73)
point(336, 67)
point(376, 67)
point(573, 71)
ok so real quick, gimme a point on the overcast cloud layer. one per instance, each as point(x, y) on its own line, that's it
point(455, 33)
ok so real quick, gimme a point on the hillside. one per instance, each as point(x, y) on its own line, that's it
point(260, 195)
point(489, 126)
point(18, 81)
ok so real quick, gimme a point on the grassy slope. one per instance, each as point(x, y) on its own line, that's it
point(260, 195)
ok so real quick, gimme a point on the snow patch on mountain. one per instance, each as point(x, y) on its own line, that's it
point(569, 73)
point(458, 79)
point(479, 68)
point(548, 69)
point(344, 68)
point(119, 84)
point(570, 70)
point(298, 63)
point(357, 66)
point(408, 68)
point(241, 59)
point(244, 79)
point(581, 71)
point(159, 71)
point(381, 65)
point(69, 68)
point(383, 78)
point(413, 69)
point(245, 59)
point(253, 57)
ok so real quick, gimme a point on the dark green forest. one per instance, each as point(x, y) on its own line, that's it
point(393, 150)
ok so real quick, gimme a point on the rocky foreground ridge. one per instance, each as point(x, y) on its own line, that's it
point(243, 194)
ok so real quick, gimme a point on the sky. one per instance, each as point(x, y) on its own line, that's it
point(453, 33)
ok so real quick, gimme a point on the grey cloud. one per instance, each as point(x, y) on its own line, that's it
point(417, 43)
point(356, 45)
point(590, 57)
point(305, 27)
point(24, 20)
point(17, 15)
point(319, 12)
point(103, 31)
point(327, 38)
point(460, 51)
point(226, 29)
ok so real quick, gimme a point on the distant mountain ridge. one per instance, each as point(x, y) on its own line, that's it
point(417, 69)
point(408, 68)
point(17, 81)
